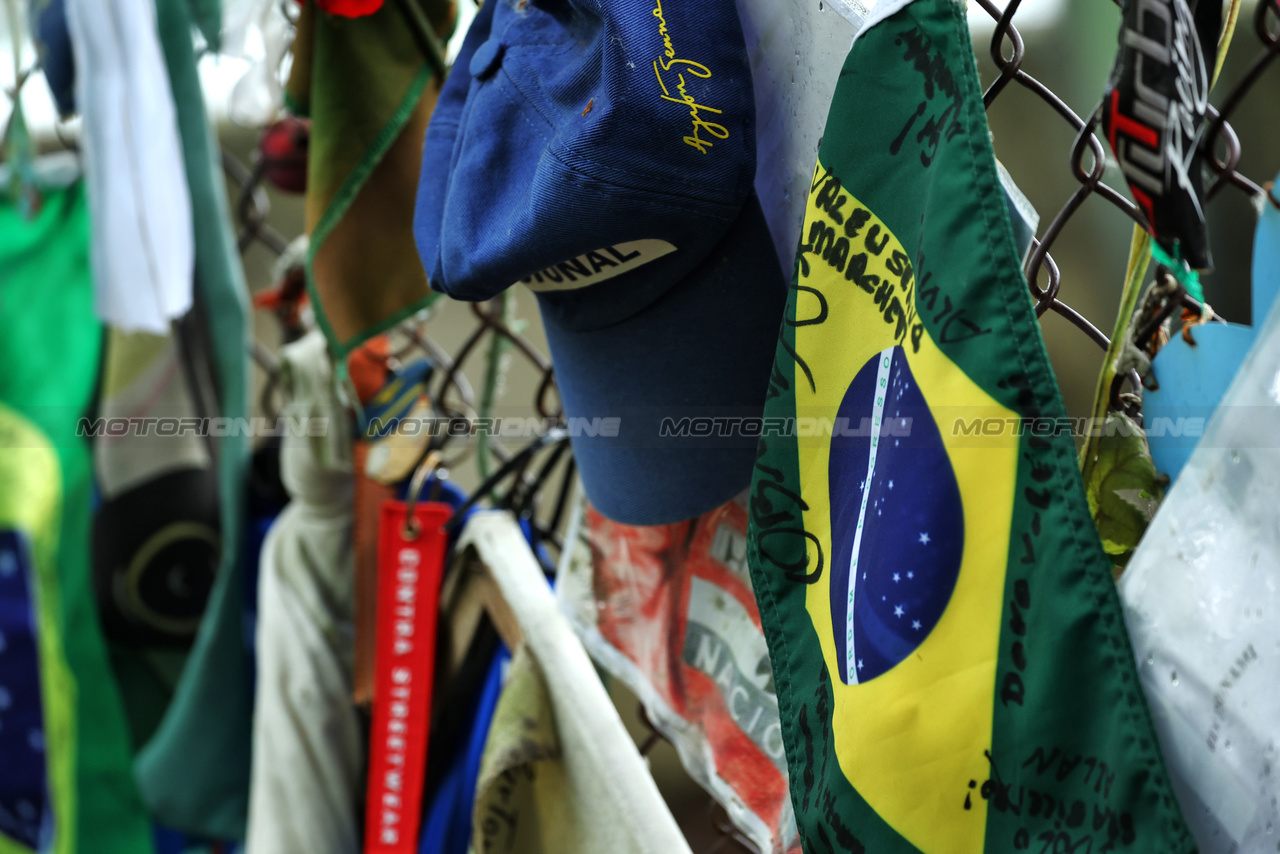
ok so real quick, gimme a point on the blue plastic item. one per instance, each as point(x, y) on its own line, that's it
point(1193, 379)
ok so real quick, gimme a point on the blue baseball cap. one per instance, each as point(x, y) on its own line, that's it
point(603, 155)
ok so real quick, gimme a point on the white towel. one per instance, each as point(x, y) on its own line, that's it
point(142, 244)
point(584, 789)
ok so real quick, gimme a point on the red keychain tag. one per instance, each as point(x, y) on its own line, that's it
point(411, 555)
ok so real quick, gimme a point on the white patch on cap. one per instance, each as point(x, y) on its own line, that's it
point(592, 267)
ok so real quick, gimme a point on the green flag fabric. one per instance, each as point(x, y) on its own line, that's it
point(49, 346)
point(952, 670)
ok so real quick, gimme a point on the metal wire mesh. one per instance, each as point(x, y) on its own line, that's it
point(1219, 130)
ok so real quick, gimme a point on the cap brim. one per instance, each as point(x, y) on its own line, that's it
point(683, 378)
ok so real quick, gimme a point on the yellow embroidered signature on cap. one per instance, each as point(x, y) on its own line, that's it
point(697, 69)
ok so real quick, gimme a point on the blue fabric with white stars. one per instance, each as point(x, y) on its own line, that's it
point(912, 525)
point(25, 814)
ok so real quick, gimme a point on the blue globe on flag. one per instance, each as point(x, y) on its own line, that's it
point(897, 522)
point(25, 815)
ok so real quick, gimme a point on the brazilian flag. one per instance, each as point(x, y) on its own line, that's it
point(952, 670)
point(66, 776)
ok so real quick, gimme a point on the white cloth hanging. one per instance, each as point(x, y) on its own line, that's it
point(560, 772)
point(142, 245)
point(308, 753)
point(1202, 604)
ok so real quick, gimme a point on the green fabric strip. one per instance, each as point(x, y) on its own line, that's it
point(342, 200)
point(362, 82)
point(194, 773)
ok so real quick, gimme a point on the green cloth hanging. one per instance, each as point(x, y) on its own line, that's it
point(49, 345)
point(194, 773)
point(369, 92)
